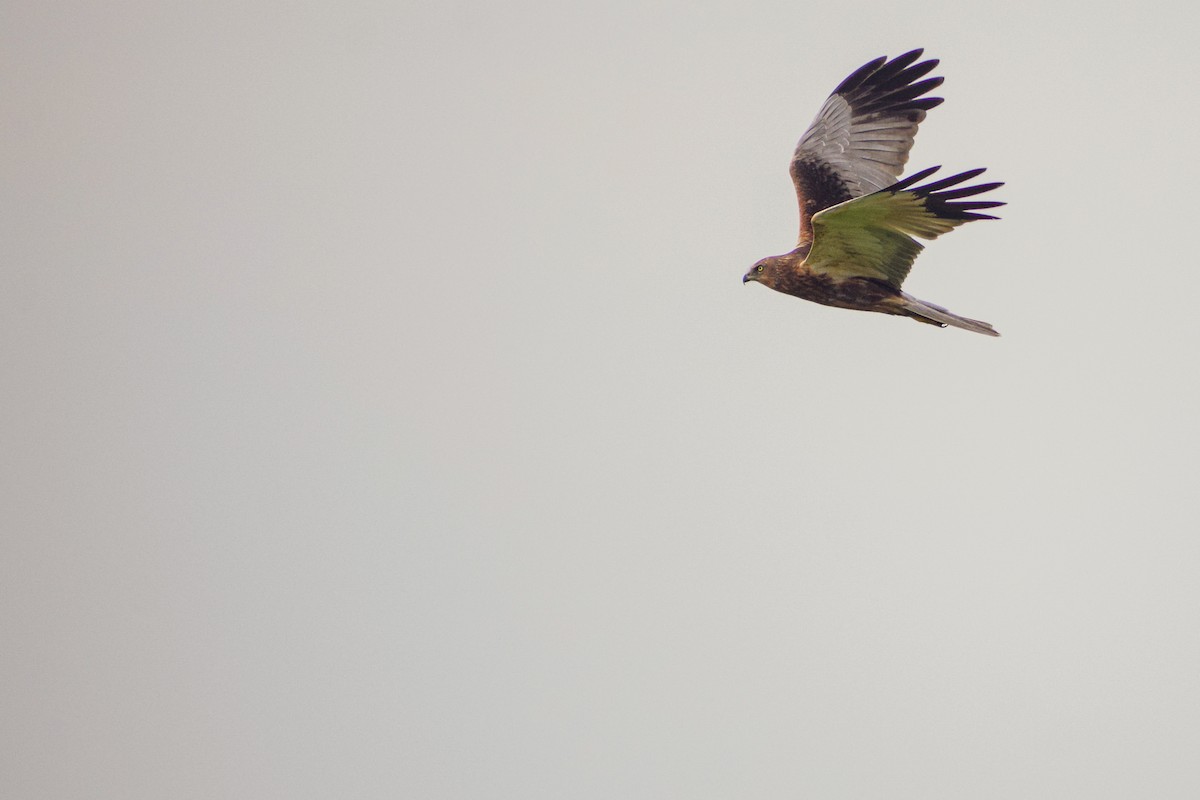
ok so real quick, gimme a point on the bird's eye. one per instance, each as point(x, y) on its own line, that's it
point(759, 268)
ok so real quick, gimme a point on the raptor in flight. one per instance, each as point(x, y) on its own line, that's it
point(857, 222)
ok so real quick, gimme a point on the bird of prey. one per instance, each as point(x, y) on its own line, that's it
point(857, 222)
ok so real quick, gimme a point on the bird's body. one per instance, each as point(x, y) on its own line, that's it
point(791, 275)
point(857, 223)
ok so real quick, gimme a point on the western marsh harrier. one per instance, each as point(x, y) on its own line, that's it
point(856, 222)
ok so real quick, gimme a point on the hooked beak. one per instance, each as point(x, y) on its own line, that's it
point(746, 278)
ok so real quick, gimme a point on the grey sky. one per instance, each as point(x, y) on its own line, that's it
point(384, 415)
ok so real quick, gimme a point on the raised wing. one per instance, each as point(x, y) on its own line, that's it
point(860, 140)
point(872, 236)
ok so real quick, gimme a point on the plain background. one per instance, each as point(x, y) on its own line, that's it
point(384, 416)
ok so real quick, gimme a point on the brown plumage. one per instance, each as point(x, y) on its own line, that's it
point(857, 223)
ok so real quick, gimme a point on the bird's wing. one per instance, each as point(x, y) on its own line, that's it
point(872, 236)
point(860, 140)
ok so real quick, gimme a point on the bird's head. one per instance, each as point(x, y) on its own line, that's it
point(765, 271)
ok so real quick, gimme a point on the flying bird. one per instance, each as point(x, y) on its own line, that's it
point(857, 222)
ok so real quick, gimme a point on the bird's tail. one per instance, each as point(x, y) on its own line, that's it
point(936, 315)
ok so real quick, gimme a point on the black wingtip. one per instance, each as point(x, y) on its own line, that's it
point(944, 201)
point(967, 191)
point(917, 71)
point(916, 177)
point(893, 86)
point(897, 65)
point(855, 79)
point(953, 180)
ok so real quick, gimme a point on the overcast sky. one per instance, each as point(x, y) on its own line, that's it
point(384, 415)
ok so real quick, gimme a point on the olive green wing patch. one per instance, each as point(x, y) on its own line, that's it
point(873, 236)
